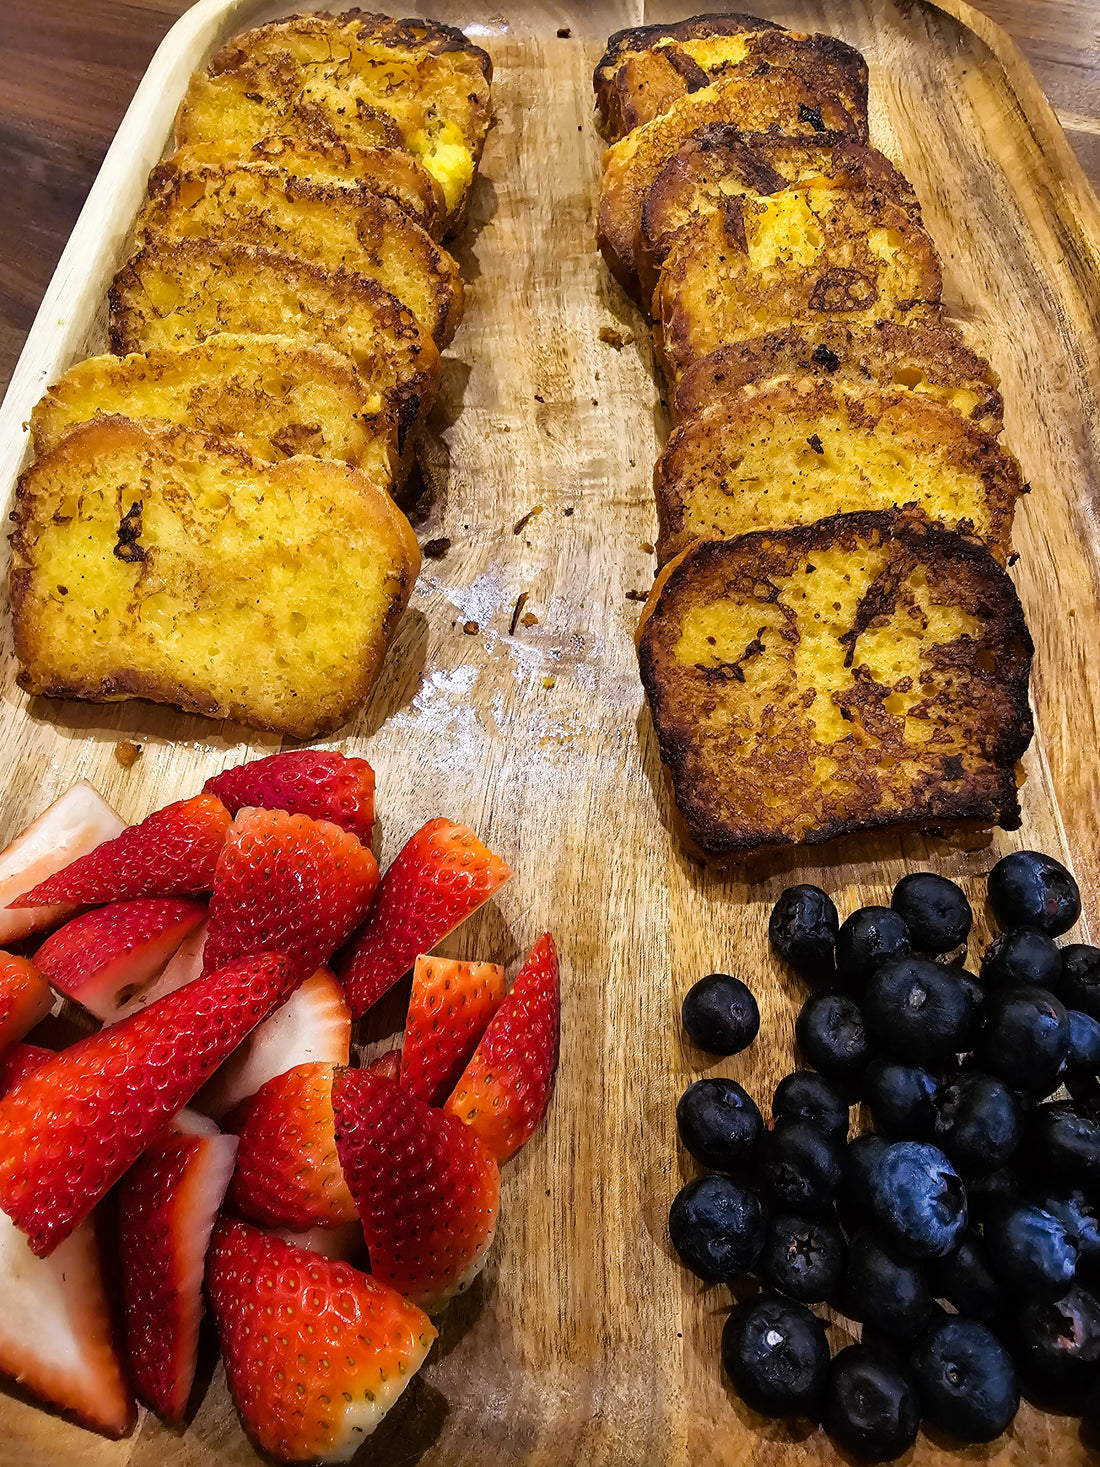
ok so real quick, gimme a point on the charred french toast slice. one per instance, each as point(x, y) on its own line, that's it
point(798, 449)
point(156, 562)
point(806, 255)
point(855, 674)
point(925, 356)
point(339, 227)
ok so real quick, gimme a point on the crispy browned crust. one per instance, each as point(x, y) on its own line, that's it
point(703, 484)
point(738, 796)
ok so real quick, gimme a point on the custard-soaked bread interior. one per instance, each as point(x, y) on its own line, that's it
point(852, 674)
point(161, 563)
point(811, 254)
point(927, 356)
point(798, 449)
point(274, 396)
point(333, 225)
point(336, 76)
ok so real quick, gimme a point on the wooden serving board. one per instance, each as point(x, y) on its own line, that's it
point(584, 1341)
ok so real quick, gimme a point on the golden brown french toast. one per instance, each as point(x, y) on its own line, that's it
point(858, 673)
point(333, 225)
point(340, 77)
point(798, 449)
point(156, 562)
point(927, 356)
point(807, 254)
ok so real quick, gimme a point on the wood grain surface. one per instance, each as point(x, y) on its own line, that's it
point(583, 1341)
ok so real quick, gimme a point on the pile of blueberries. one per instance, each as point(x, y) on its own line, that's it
point(963, 1230)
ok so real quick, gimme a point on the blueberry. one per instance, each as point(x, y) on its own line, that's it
point(974, 990)
point(1067, 1146)
point(1079, 987)
point(916, 1011)
point(1080, 1217)
point(776, 1354)
point(804, 1256)
point(1083, 1060)
point(857, 1164)
point(871, 1405)
point(1019, 956)
point(1030, 1251)
point(1058, 1342)
point(935, 911)
point(889, 1293)
point(977, 1123)
point(803, 927)
point(966, 1280)
point(869, 937)
point(965, 1378)
point(830, 1034)
point(1022, 1037)
point(720, 1014)
point(719, 1123)
point(989, 1191)
point(717, 1228)
point(807, 1096)
point(800, 1164)
point(918, 1200)
point(900, 1097)
point(1030, 889)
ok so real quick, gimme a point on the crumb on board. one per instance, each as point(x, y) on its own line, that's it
point(529, 619)
point(437, 549)
point(548, 682)
point(539, 397)
point(1014, 557)
point(524, 520)
point(617, 339)
point(127, 753)
point(564, 33)
point(568, 510)
point(520, 600)
point(637, 596)
point(471, 628)
point(647, 547)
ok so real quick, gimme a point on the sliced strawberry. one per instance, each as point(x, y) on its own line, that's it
point(388, 1064)
point(104, 958)
point(505, 1089)
point(316, 782)
point(183, 967)
point(288, 884)
point(171, 853)
point(18, 1062)
point(439, 879)
point(313, 1025)
point(315, 1352)
point(25, 998)
point(426, 1189)
point(70, 1129)
point(288, 1174)
point(167, 1206)
point(345, 1242)
point(451, 1005)
point(55, 1332)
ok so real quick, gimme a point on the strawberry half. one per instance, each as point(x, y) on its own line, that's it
point(451, 1005)
point(427, 1191)
point(505, 1089)
point(316, 782)
point(315, 1352)
point(167, 1206)
point(439, 879)
point(288, 1174)
point(19, 1061)
point(289, 884)
point(69, 1130)
point(387, 1064)
point(171, 853)
point(25, 998)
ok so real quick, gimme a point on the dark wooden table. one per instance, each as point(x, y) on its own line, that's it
point(69, 67)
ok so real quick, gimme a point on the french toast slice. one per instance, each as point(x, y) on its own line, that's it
point(168, 296)
point(797, 449)
point(273, 396)
point(338, 75)
point(927, 356)
point(156, 562)
point(859, 673)
point(337, 226)
point(782, 105)
point(809, 254)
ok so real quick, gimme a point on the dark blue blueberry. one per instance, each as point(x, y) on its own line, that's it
point(966, 1280)
point(977, 1123)
point(867, 938)
point(720, 1015)
point(808, 1096)
point(1019, 956)
point(800, 1165)
point(803, 927)
point(776, 1354)
point(1022, 1037)
point(916, 1011)
point(1029, 889)
point(717, 1228)
point(804, 1256)
point(990, 1190)
point(857, 1163)
point(871, 1405)
point(1058, 1342)
point(719, 1123)
point(1083, 1060)
point(1030, 1251)
point(918, 1200)
point(900, 1097)
point(1080, 1216)
point(830, 1034)
point(1079, 986)
point(935, 911)
point(965, 1378)
point(1067, 1146)
point(889, 1293)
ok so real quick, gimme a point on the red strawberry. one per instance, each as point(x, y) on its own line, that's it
point(72, 1128)
point(171, 853)
point(388, 1064)
point(25, 998)
point(451, 1004)
point(426, 1189)
point(315, 1352)
point(442, 876)
point(167, 1206)
point(316, 782)
point(18, 1062)
point(104, 958)
point(289, 884)
point(505, 1089)
point(288, 1174)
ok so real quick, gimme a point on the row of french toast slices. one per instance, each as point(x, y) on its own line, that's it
point(208, 519)
point(833, 643)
